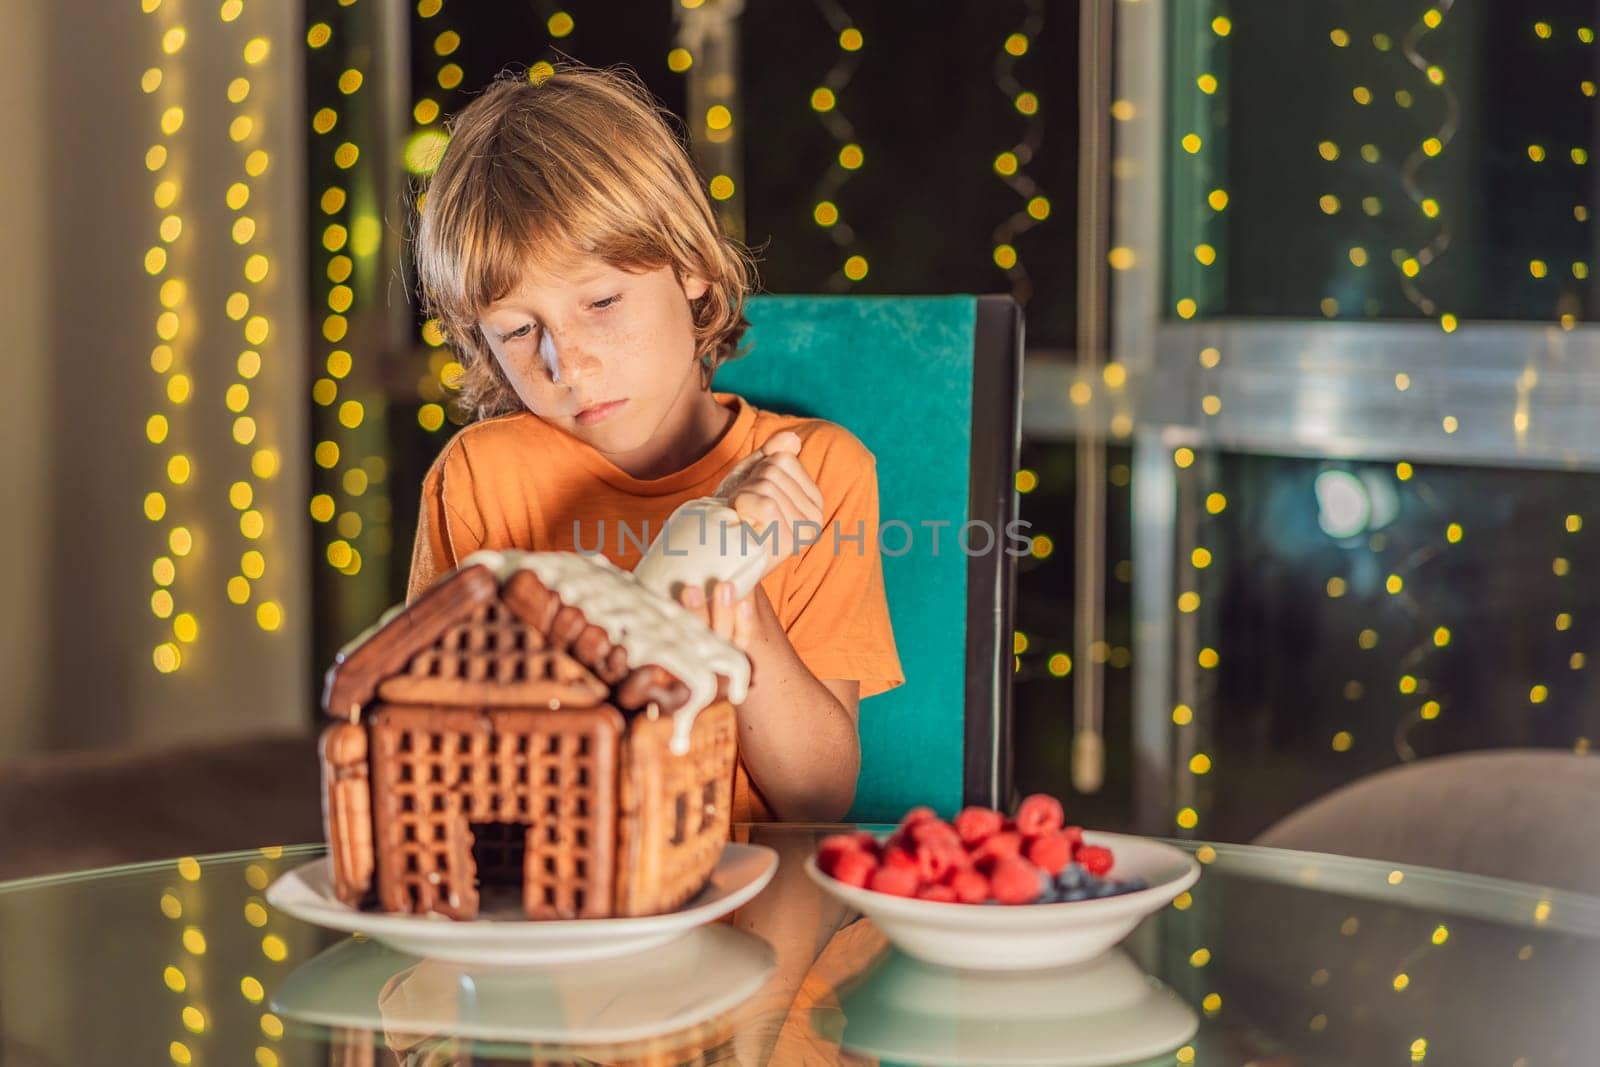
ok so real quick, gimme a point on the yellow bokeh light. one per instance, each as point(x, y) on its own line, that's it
point(255, 164)
point(249, 363)
point(1005, 164)
point(269, 616)
point(240, 128)
point(1216, 503)
point(851, 157)
point(244, 430)
point(252, 524)
point(1222, 25)
point(354, 481)
point(172, 40)
point(257, 329)
point(855, 268)
point(238, 195)
point(823, 99)
point(721, 187)
point(1342, 741)
point(1191, 143)
point(1182, 715)
point(430, 417)
point(184, 628)
point(850, 40)
point(350, 81)
point(345, 156)
point(238, 590)
point(256, 50)
point(240, 495)
point(324, 120)
point(244, 229)
point(1187, 818)
point(264, 463)
point(252, 564)
point(560, 24)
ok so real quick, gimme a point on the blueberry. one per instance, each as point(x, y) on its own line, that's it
point(1106, 889)
point(1133, 885)
point(1075, 893)
point(1071, 877)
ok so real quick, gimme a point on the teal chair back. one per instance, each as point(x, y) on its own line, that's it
point(931, 385)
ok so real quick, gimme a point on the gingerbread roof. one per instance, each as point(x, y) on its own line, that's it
point(531, 629)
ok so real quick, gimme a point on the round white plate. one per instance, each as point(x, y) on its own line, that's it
point(1026, 936)
point(307, 894)
point(1103, 1011)
point(367, 986)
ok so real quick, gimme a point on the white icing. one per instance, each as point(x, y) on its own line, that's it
point(703, 541)
point(650, 627)
point(547, 351)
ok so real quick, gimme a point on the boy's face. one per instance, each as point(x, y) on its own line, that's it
point(601, 353)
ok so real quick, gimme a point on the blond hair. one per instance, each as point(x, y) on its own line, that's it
point(581, 161)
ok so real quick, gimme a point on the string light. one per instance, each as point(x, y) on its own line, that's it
point(169, 358)
point(1010, 165)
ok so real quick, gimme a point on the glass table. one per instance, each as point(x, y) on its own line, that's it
point(1274, 958)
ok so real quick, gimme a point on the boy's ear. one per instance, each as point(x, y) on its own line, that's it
point(694, 288)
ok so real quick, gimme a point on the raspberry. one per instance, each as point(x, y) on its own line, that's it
point(970, 886)
point(1074, 836)
point(916, 815)
point(1015, 881)
point(934, 831)
point(974, 824)
point(1050, 853)
point(935, 860)
point(1096, 860)
point(942, 893)
point(900, 857)
point(834, 846)
point(1004, 845)
point(1039, 814)
point(896, 881)
point(854, 868)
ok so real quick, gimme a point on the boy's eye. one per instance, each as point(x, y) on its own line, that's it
point(521, 331)
point(601, 305)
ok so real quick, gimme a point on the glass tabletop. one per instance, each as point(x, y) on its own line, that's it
point(1272, 958)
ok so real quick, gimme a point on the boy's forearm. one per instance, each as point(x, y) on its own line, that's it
point(798, 742)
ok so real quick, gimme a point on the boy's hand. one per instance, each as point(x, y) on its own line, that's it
point(770, 489)
point(734, 623)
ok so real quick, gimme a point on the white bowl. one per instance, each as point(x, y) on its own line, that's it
point(1025, 937)
point(306, 893)
point(1105, 1010)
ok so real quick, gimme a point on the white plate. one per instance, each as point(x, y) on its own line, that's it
point(1103, 1011)
point(307, 894)
point(1026, 936)
point(367, 986)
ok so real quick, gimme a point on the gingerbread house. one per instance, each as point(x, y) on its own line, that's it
point(537, 727)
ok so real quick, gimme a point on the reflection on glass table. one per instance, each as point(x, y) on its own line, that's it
point(1271, 958)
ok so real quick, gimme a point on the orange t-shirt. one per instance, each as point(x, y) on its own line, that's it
point(517, 482)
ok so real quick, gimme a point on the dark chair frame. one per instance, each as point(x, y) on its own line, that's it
point(992, 577)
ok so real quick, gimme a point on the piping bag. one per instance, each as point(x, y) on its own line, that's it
point(704, 541)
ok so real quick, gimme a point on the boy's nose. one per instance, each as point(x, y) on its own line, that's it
point(566, 363)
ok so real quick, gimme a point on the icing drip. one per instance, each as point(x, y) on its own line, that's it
point(651, 628)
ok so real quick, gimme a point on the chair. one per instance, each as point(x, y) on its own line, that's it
point(932, 386)
point(1512, 813)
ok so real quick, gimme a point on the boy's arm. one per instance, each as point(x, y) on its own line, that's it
point(444, 536)
point(797, 733)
